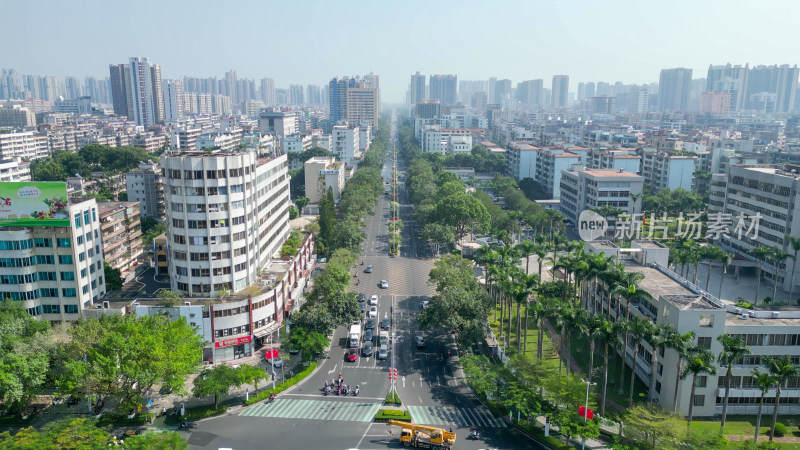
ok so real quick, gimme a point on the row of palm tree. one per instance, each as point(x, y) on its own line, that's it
point(557, 303)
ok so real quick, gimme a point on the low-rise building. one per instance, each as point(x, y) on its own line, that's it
point(146, 186)
point(346, 143)
point(53, 265)
point(22, 145)
point(15, 171)
point(597, 188)
point(15, 116)
point(521, 160)
point(235, 326)
point(121, 234)
point(322, 173)
point(550, 162)
point(217, 141)
point(613, 159)
point(675, 301)
point(297, 143)
point(665, 170)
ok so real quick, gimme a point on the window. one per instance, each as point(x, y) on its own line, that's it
point(67, 276)
point(181, 270)
point(82, 256)
point(89, 237)
point(177, 223)
point(704, 342)
point(43, 242)
point(51, 309)
point(71, 309)
point(706, 320)
point(699, 400)
point(80, 240)
point(177, 207)
point(179, 239)
point(47, 276)
point(77, 220)
point(65, 259)
point(83, 273)
point(94, 217)
point(48, 292)
point(85, 289)
point(86, 217)
point(179, 256)
point(90, 252)
point(69, 292)
point(702, 381)
point(92, 269)
point(45, 259)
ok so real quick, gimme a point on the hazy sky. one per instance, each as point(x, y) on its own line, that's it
point(309, 42)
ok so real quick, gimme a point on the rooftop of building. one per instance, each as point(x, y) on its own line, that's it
point(109, 207)
point(611, 173)
point(519, 145)
point(786, 170)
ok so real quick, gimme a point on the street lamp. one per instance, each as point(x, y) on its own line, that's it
point(586, 408)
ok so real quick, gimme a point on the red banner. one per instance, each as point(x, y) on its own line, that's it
point(269, 354)
point(234, 341)
point(588, 413)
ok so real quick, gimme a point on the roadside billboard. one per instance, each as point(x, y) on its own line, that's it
point(25, 204)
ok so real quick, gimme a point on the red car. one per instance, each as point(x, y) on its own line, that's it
point(352, 354)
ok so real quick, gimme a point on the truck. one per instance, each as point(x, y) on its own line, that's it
point(355, 335)
point(383, 338)
point(423, 436)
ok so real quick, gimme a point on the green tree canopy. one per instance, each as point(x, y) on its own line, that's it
point(217, 382)
point(24, 354)
point(118, 357)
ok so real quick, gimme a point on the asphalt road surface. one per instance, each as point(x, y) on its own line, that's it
point(428, 383)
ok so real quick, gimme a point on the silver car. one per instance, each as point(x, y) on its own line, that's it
point(383, 352)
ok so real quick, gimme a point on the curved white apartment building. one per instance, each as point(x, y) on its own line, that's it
point(227, 216)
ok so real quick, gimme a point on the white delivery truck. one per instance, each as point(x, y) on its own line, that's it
point(355, 335)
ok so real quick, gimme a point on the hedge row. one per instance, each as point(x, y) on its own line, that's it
point(263, 395)
point(122, 419)
point(393, 398)
point(392, 414)
point(205, 411)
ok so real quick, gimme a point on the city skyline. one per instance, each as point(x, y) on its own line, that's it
point(565, 45)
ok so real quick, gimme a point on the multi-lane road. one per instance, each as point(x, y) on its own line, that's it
point(431, 387)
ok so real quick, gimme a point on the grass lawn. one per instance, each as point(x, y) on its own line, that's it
point(746, 425)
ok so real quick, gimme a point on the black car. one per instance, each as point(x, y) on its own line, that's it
point(367, 349)
point(362, 297)
point(363, 307)
point(368, 335)
point(370, 324)
point(385, 323)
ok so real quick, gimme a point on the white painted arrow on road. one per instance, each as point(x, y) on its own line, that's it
point(404, 381)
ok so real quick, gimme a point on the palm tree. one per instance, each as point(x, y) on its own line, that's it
point(699, 361)
point(574, 320)
point(760, 253)
point(776, 255)
point(536, 282)
point(626, 286)
point(659, 336)
point(540, 250)
point(538, 311)
point(733, 349)
point(794, 244)
point(609, 333)
point(639, 329)
point(725, 258)
point(711, 253)
point(525, 249)
point(523, 289)
point(561, 315)
point(765, 382)
point(682, 344)
point(592, 327)
point(782, 369)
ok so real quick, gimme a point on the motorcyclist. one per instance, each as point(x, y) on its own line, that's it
point(271, 398)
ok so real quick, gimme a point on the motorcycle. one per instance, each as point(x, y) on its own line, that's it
point(184, 424)
point(327, 390)
point(475, 434)
point(271, 399)
point(355, 393)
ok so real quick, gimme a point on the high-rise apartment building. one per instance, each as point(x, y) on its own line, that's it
point(228, 216)
point(296, 96)
point(144, 91)
point(778, 83)
point(120, 80)
point(673, 89)
point(731, 80)
point(121, 235)
point(502, 92)
point(560, 93)
point(416, 89)
point(173, 100)
point(354, 100)
point(268, 91)
point(715, 103)
point(444, 88)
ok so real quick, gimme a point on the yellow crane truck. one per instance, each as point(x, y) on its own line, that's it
point(422, 436)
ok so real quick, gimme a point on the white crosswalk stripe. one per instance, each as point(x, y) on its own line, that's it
point(461, 417)
point(315, 410)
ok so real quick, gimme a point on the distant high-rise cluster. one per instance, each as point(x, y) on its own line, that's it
point(137, 92)
point(354, 100)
